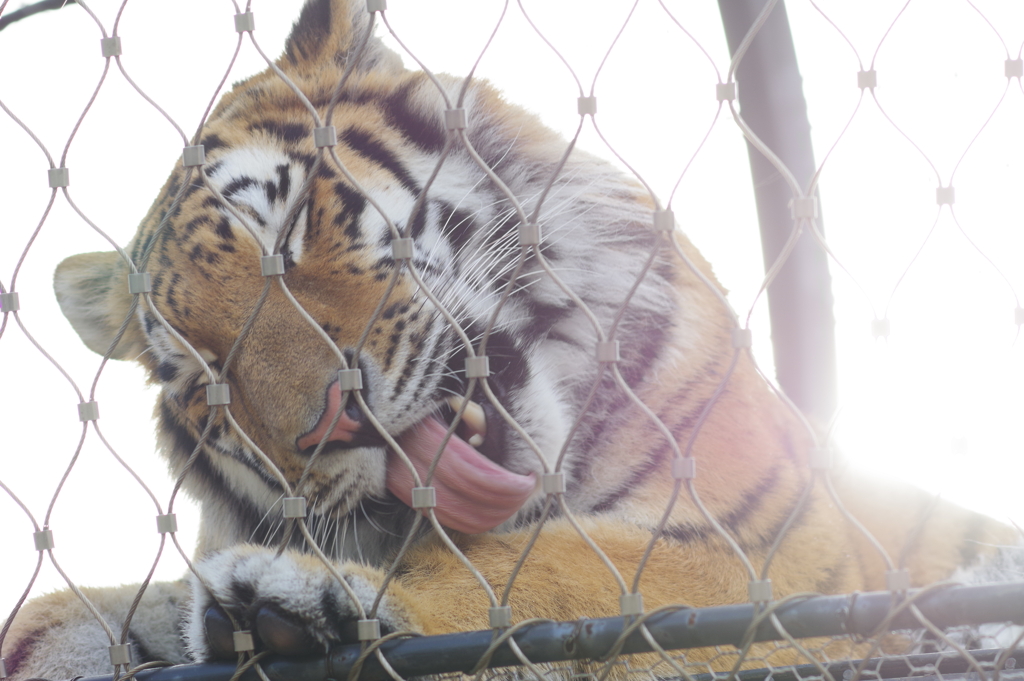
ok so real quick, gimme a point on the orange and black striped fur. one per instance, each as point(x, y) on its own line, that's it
point(279, 194)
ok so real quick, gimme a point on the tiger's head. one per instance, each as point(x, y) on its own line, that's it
point(345, 301)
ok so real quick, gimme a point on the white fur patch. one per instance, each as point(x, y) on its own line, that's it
point(264, 180)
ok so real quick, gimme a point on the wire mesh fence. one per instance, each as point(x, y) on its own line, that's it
point(782, 632)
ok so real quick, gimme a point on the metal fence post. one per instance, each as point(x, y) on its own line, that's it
point(772, 103)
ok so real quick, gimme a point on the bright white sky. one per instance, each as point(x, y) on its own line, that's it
point(940, 403)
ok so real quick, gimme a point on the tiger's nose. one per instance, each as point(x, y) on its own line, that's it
point(348, 425)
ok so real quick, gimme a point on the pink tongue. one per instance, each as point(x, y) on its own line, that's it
point(474, 494)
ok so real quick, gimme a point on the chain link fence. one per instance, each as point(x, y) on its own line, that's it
point(798, 637)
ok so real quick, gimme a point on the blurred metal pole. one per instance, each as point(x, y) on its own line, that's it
point(771, 101)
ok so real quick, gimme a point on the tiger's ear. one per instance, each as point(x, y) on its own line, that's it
point(328, 32)
point(92, 289)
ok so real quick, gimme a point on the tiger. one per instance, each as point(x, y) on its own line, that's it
point(611, 373)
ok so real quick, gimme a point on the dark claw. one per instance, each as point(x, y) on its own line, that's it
point(281, 634)
point(219, 634)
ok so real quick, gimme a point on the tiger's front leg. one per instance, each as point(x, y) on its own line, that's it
point(56, 637)
point(294, 605)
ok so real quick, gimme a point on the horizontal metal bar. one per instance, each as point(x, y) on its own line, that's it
point(850, 614)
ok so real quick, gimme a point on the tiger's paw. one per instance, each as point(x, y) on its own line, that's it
point(292, 604)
